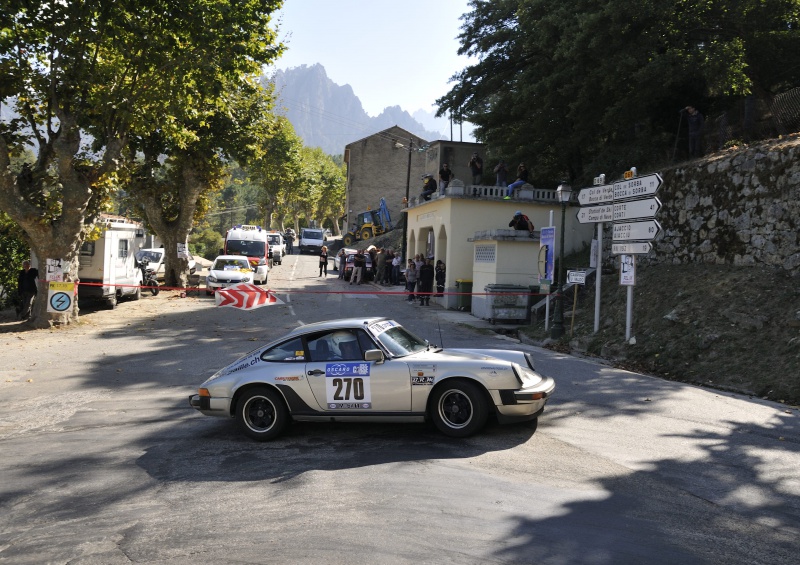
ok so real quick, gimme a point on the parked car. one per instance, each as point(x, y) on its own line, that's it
point(337, 259)
point(228, 270)
point(369, 271)
point(155, 255)
point(372, 370)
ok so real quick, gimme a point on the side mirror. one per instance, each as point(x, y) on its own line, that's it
point(374, 355)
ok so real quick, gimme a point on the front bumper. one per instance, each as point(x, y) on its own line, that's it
point(211, 406)
point(525, 403)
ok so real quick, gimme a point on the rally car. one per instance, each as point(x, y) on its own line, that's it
point(372, 370)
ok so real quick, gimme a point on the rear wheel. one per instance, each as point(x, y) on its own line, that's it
point(459, 409)
point(261, 414)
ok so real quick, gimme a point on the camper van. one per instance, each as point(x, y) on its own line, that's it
point(109, 262)
point(252, 242)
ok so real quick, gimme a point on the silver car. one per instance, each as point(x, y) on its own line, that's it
point(372, 370)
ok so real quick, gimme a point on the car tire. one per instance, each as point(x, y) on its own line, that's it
point(262, 414)
point(137, 294)
point(458, 408)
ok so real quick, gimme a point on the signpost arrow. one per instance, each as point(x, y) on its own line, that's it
point(636, 187)
point(645, 231)
point(596, 194)
point(635, 209)
point(594, 214)
point(632, 248)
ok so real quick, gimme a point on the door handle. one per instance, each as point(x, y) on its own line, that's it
point(315, 372)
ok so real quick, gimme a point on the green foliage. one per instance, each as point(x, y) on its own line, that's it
point(13, 251)
point(578, 88)
point(207, 243)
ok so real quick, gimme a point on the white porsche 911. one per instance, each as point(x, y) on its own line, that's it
point(372, 370)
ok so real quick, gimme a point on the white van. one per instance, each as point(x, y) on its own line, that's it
point(277, 245)
point(312, 240)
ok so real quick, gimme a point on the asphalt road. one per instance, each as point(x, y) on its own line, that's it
point(103, 460)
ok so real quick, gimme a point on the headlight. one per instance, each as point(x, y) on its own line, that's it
point(209, 278)
point(245, 279)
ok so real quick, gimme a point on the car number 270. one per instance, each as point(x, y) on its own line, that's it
point(348, 385)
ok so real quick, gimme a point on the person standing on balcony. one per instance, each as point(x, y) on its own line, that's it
point(522, 178)
point(476, 167)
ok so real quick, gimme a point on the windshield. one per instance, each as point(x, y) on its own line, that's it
point(244, 247)
point(230, 265)
point(396, 339)
point(151, 256)
point(274, 240)
point(312, 234)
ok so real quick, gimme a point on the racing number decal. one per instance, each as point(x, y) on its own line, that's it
point(347, 386)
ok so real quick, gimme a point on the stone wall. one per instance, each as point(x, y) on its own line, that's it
point(740, 207)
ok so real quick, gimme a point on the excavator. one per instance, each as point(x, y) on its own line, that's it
point(368, 224)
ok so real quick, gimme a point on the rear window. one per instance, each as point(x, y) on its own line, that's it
point(312, 234)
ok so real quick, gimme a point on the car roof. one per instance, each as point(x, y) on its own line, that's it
point(342, 323)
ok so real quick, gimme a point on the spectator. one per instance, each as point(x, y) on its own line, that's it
point(359, 262)
point(428, 188)
point(287, 235)
point(27, 286)
point(696, 122)
point(522, 178)
point(397, 266)
point(418, 260)
point(445, 174)
point(411, 280)
point(476, 168)
point(342, 263)
point(426, 275)
point(323, 261)
point(521, 222)
point(501, 174)
point(380, 262)
point(440, 277)
point(387, 272)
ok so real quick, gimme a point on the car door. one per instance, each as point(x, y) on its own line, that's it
point(342, 381)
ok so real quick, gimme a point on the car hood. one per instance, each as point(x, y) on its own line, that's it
point(231, 275)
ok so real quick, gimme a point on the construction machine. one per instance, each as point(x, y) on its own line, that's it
point(368, 224)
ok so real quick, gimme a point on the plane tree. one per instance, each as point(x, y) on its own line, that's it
point(83, 77)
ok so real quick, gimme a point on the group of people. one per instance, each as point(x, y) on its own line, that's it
point(420, 275)
point(430, 186)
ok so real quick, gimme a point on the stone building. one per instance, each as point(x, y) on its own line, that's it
point(378, 167)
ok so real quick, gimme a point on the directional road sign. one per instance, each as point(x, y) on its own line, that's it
point(594, 214)
point(576, 277)
point(632, 248)
point(644, 231)
point(637, 187)
point(636, 209)
point(596, 194)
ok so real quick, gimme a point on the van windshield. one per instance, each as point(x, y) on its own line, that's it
point(244, 247)
point(312, 234)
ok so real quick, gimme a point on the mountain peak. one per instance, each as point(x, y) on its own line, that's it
point(327, 115)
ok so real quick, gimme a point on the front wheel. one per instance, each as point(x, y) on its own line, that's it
point(261, 414)
point(154, 290)
point(459, 409)
point(348, 240)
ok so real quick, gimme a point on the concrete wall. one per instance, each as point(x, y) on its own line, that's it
point(738, 208)
point(457, 155)
point(377, 168)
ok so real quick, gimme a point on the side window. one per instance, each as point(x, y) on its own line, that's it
point(123, 247)
point(291, 350)
point(87, 249)
point(365, 342)
point(337, 345)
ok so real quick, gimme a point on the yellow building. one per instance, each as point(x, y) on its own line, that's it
point(467, 228)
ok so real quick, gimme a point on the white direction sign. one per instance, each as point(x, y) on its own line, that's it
point(636, 187)
point(596, 194)
point(644, 231)
point(632, 248)
point(594, 214)
point(635, 209)
point(576, 277)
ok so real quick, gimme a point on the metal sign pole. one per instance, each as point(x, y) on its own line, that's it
point(629, 314)
point(547, 298)
point(597, 277)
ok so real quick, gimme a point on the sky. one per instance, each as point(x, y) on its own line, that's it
point(393, 53)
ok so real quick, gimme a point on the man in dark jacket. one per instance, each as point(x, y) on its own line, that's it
point(428, 188)
point(521, 222)
point(359, 262)
point(426, 276)
point(26, 286)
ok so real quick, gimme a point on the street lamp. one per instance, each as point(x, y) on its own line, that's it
point(564, 191)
